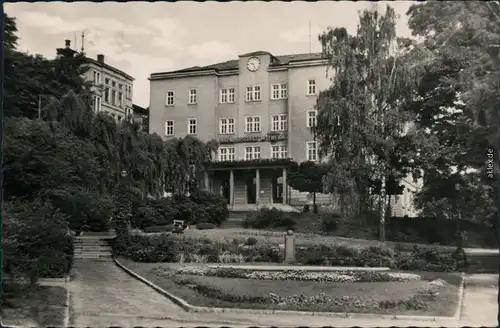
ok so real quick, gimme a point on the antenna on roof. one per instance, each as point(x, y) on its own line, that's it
point(310, 51)
point(83, 39)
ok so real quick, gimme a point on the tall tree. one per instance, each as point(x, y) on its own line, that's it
point(307, 177)
point(361, 122)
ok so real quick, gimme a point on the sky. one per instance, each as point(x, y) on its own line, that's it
point(141, 38)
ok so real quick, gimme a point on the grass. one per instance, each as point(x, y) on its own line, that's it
point(262, 236)
point(244, 293)
point(42, 306)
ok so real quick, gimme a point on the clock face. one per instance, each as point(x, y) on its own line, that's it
point(253, 64)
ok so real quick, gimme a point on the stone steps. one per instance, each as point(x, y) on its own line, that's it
point(483, 263)
point(92, 248)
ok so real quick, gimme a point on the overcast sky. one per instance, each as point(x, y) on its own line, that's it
point(141, 38)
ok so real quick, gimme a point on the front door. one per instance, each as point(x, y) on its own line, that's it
point(278, 190)
point(251, 188)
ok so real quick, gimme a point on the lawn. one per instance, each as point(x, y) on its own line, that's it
point(242, 234)
point(362, 297)
point(41, 306)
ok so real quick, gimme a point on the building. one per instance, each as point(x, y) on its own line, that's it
point(259, 106)
point(112, 87)
point(140, 115)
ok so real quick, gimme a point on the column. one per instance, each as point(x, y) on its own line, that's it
point(206, 181)
point(285, 188)
point(231, 187)
point(257, 186)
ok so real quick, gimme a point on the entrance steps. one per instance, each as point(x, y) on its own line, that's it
point(92, 248)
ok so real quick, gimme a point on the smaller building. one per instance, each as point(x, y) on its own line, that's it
point(140, 115)
point(112, 88)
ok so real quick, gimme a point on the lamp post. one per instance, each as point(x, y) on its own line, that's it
point(494, 51)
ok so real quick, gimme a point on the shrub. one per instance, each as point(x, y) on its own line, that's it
point(150, 249)
point(426, 259)
point(251, 241)
point(205, 226)
point(36, 240)
point(329, 223)
point(214, 205)
point(270, 218)
point(163, 228)
point(306, 208)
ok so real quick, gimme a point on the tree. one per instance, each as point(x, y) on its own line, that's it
point(361, 121)
point(307, 177)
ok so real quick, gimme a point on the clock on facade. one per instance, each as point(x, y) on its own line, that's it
point(253, 64)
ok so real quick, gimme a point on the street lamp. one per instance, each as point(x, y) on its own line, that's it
point(494, 51)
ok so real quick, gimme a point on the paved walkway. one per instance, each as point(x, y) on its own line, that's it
point(479, 307)
point(104, 295)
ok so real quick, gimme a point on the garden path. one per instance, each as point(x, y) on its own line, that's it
point(479, 306)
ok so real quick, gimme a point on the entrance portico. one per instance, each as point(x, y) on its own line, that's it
point(249, 185)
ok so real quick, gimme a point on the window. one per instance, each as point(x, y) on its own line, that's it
point(113, 84)
point(253, 93)
point(169, 128)
point(106, 94)
point(120, 99)
point(279, 91)
point(226, 154)
point(192, 126)
point(120, 87)
point(230, 95)
point(113, 97)
point(226, 126)
point(311, 87)
point(252, 153)
point(279, 123)
point(128, 92)
point(97, 104)
point(252, 124)
point(192, 96)
point(280, 151)
point(97, 77)
point(119, 118)
point(170, 101)
point(311, 118)
point(312, 151)
point(226, 96)
point(106, 81)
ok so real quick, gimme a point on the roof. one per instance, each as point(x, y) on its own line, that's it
point(233, 64)
point(140, 110)
point(109, 67)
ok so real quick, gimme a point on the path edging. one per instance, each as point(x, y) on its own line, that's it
point(183, 304)
point(191, 308)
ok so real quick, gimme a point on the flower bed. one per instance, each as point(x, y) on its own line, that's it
point(422, 293)
point(300, 275)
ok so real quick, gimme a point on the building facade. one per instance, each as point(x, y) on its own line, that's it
point(257, 107)
point(113, 88)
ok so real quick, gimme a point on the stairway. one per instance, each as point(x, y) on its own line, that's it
point(235, 220)
point(94, 248)
point(483, 263)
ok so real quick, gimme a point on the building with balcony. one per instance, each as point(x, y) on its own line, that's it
point(259, 107)
point(112, 87)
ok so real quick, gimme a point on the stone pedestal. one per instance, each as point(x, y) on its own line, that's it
point(289, 247)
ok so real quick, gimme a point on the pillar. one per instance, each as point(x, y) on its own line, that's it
point(231, 187)
point(289, 247)
point(206, 181)
point(285, 188)
point(257, 186)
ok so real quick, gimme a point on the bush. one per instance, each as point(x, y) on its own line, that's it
point(205, 226)
point(329, 223)
point(36, 240)
point(251, 241)
point(163, 228)
point(270, 218)
point(426, 259)
point(150, 249)
point(306, 208)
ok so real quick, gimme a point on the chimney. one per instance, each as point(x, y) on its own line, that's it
point(68, 44)
point(100, 58)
